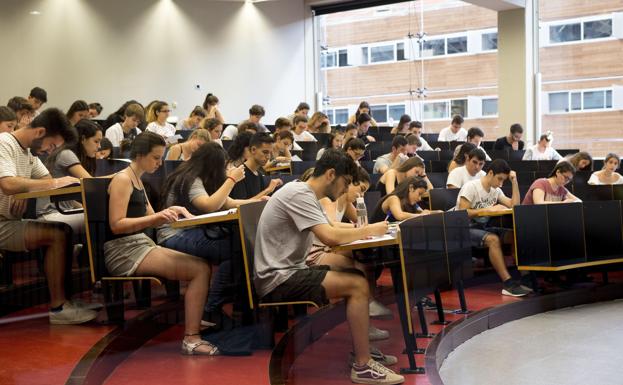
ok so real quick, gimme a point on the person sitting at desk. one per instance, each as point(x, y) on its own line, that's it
point(192, 122)
point(281, 150)
point(454, 132)
point(460, 157)
point(350, 132)
point(77, 111)
point(128, 129)
point(355, 148)
point(512, 141)
point(319, 123)
point(542, 150)
point(183, 151)
point(129, 251)
point(210, 105)
point(403, 125)
point(394, 158)
point(157, 118)
point(472, 170)
point(238, 151)
point(474, 136)
point(8, 119)
point(582, 161)
point(552, 189)
point(402, 203)
point(416, 129)
point(364, 108)
point(364, 121)
point(411, 167)
point(284, 235)
point(105, 151)
point(253, 185)
point(608, 174)
point(21, 171)
point(202, 185)
point(336, 141)
point(484, 196)
point(300, 130)
point(214, 127)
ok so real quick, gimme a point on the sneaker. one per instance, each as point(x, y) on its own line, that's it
point(514, 289)
point(379, 311)
point(526, 282)
point(378, 356)
point(71, 315)
point(374, 373)
point(375, 334)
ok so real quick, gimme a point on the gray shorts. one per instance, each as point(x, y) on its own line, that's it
point(124, 255)
point(13, 235)
point(477, 234)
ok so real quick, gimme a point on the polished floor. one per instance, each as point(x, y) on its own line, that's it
point(572, 346)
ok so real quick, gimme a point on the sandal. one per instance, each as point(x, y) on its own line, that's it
point(189, 349)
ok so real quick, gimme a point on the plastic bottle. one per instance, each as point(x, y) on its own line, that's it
point(362, 212)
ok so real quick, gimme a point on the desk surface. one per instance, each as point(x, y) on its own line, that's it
point(220, 216)
point(49, 193)
point(383, 240)
point(269, 170)
point(497, 213)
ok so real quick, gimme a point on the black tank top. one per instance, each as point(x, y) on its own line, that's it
point(137, 207)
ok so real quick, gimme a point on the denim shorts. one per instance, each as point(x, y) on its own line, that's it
point(478, 233)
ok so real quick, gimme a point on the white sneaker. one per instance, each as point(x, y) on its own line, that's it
point(71, 315)
point(379, 311)
point(374, 373)
point(375, 334)
point(378, 356)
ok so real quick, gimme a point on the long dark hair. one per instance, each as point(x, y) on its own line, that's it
point(402, 192)
point(86, 129)
point(78, 105)
point(236, 150)
point(463, 151)
point(562, 166)
point(207, 164)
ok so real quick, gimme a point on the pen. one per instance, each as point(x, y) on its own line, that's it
point(387, 217)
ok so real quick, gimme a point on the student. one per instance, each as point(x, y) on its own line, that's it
point(24, 111)
point(364, 108)
point(8, 119)
point(249, 126)
point(77, 111)
point(394, 176)
point(253, 185)
point(364, 121)
point(552, 189)
point(474, 136)
point(128, 129)
point(301, 110)
point(402, 203)
point(256, 113)
point(37, 98)
point(582, 161)
point(158, 120)
point(192, 122)
point(416, 129)
point(105, 151)
point(129, 251)
point(394, 158)
point(76, 159)
point(119, 115)
point(282, 124)
point(238, 151)
point(403, 125)
point(336, 141)
point(214, 127)
point(210, 104)
point(300, 130)
point(472, 170)
point(284, 234)
point(460, 157)
point(480, 197)
point(281, 149)
point(454, 132)
point(95, 109)
point(413, 144)
point(21, 171)
point(355, 149)
point(512, 141)
point(542, 150)
point(350, 131)
point(608, 174)
point(185, 150)
point(319, 123)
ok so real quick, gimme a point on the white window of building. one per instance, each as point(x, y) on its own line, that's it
point(579, 29)
point(490, 41)
point(577, 101)
point(490, 107)
point(337, 115)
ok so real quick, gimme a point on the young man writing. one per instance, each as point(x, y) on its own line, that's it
point(482, 196)
point(285, 232)
point(253, 185)
point(470, 171)
point(20, 172)
point(394, 158)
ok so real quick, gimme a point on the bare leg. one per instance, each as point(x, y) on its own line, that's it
point(354, 289)
point(496, 256)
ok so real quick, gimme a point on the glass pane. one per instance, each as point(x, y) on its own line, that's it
point(382, 53)
point(564, 32)
point(459, 107)
point(489, 107)
point(343, 58)
point(489, 41)
point(593, 100)
point(434, 48)
point(457, 45)
point(341, 116)
point(364, 55)
point(329, 114)
point(559, 102)
point(608, 99)
point(400, 51)
point(435, 110)
point(597, 29)
point(576, 101)
point(330, 58)
point(395, 112)
point(379, 113)
point(323, 60)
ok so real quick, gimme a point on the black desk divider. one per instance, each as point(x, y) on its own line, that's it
point(438, 179)
point(368, 165)
point(498, 154)
point(118, 154)
point(458, 245)
point(440, 145)
point(439, 165)
point(105, 167)
point(323, 139)
point(525, 177)
point(566, 233)
point(524, 165)
point(374, 180)
point(184, 133)
point(602, 227)
point(617, 192)
point(428, 155)
point(430, 137)
point(443, 198)
point(487, 145)
point(299, 168)
point(445, 155)
point(598, 164)
point(541, 174)
point(531, 235)
point(371, 199)
point(310, 150)
point(454, 144)
point(567, 151)
point(270, 127)
point(516, 155)
point(581, 177)
point(587, 192)
point(546, 165)
point(375, 154)
point(171, 165)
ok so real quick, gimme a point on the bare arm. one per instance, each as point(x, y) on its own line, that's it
point(333, 236)
point(11, 185)
point(516, 197)
point(390, 181)
point(174, 152)
point(393, 204)
point(464, 204)
point(330, 209)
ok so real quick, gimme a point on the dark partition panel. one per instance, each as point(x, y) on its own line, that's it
point(442, 198)
point(299, 168)
point(566, 233)
point(458, 245)
point(487, 144)
point(531, 235)
point(322, 138)
point(428, 155)
point(440, 145)
point(430, 137)
point(446, 155)
point(516, 155)
point(603, 232)
point(617, 192)
point(498, 154)
point(439, 165)
point(525, 177)
point(546, 165)
point(438, 179)
point(371, 198)
point(524, 165)
point(588, 192)
point(310, 149)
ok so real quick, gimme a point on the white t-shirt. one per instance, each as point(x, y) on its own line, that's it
point(114, 133)
point(304, 136)
point(460, 176)
point(458, 148)
point(165, 131)
point(230, 132)
point(425, 146)
point(446, 135)
point(594, 179)
point(477, 196)
point(533, 153)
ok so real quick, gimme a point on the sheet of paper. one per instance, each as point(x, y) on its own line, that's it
point(210, 215)
point(386, 237)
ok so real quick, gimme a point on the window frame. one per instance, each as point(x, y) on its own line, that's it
point(569, 93)
point(582, 21)
point(448, 109)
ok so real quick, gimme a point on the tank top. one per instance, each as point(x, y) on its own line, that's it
point(137, 207)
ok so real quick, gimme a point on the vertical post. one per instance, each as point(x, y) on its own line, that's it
point(424, 326)
point(441, 317)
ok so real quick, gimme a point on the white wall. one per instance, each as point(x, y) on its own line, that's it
point(114, 50)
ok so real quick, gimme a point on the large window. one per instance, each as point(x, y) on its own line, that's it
point(580, 101)
point(337, 115)
point(579, 29)
point(445, 109)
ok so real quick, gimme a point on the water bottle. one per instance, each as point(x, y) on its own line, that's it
point(362, 212)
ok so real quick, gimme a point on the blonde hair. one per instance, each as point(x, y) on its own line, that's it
point(317, 117)
point(201, 134)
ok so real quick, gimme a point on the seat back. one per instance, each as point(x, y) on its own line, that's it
point(248, 222)
point(95, 204)
point(105, 167)
point(310, 150)
point(298, 168)
point(443, 198)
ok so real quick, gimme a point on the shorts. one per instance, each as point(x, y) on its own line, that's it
point(124, 255)
point(478, 233)
point(13, 235)
point(303, 285)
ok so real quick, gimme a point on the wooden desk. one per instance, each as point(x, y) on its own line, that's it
point(379, 241)
point(51, 193)
point(270, 170)
point(497, 213)
point(216, 217)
